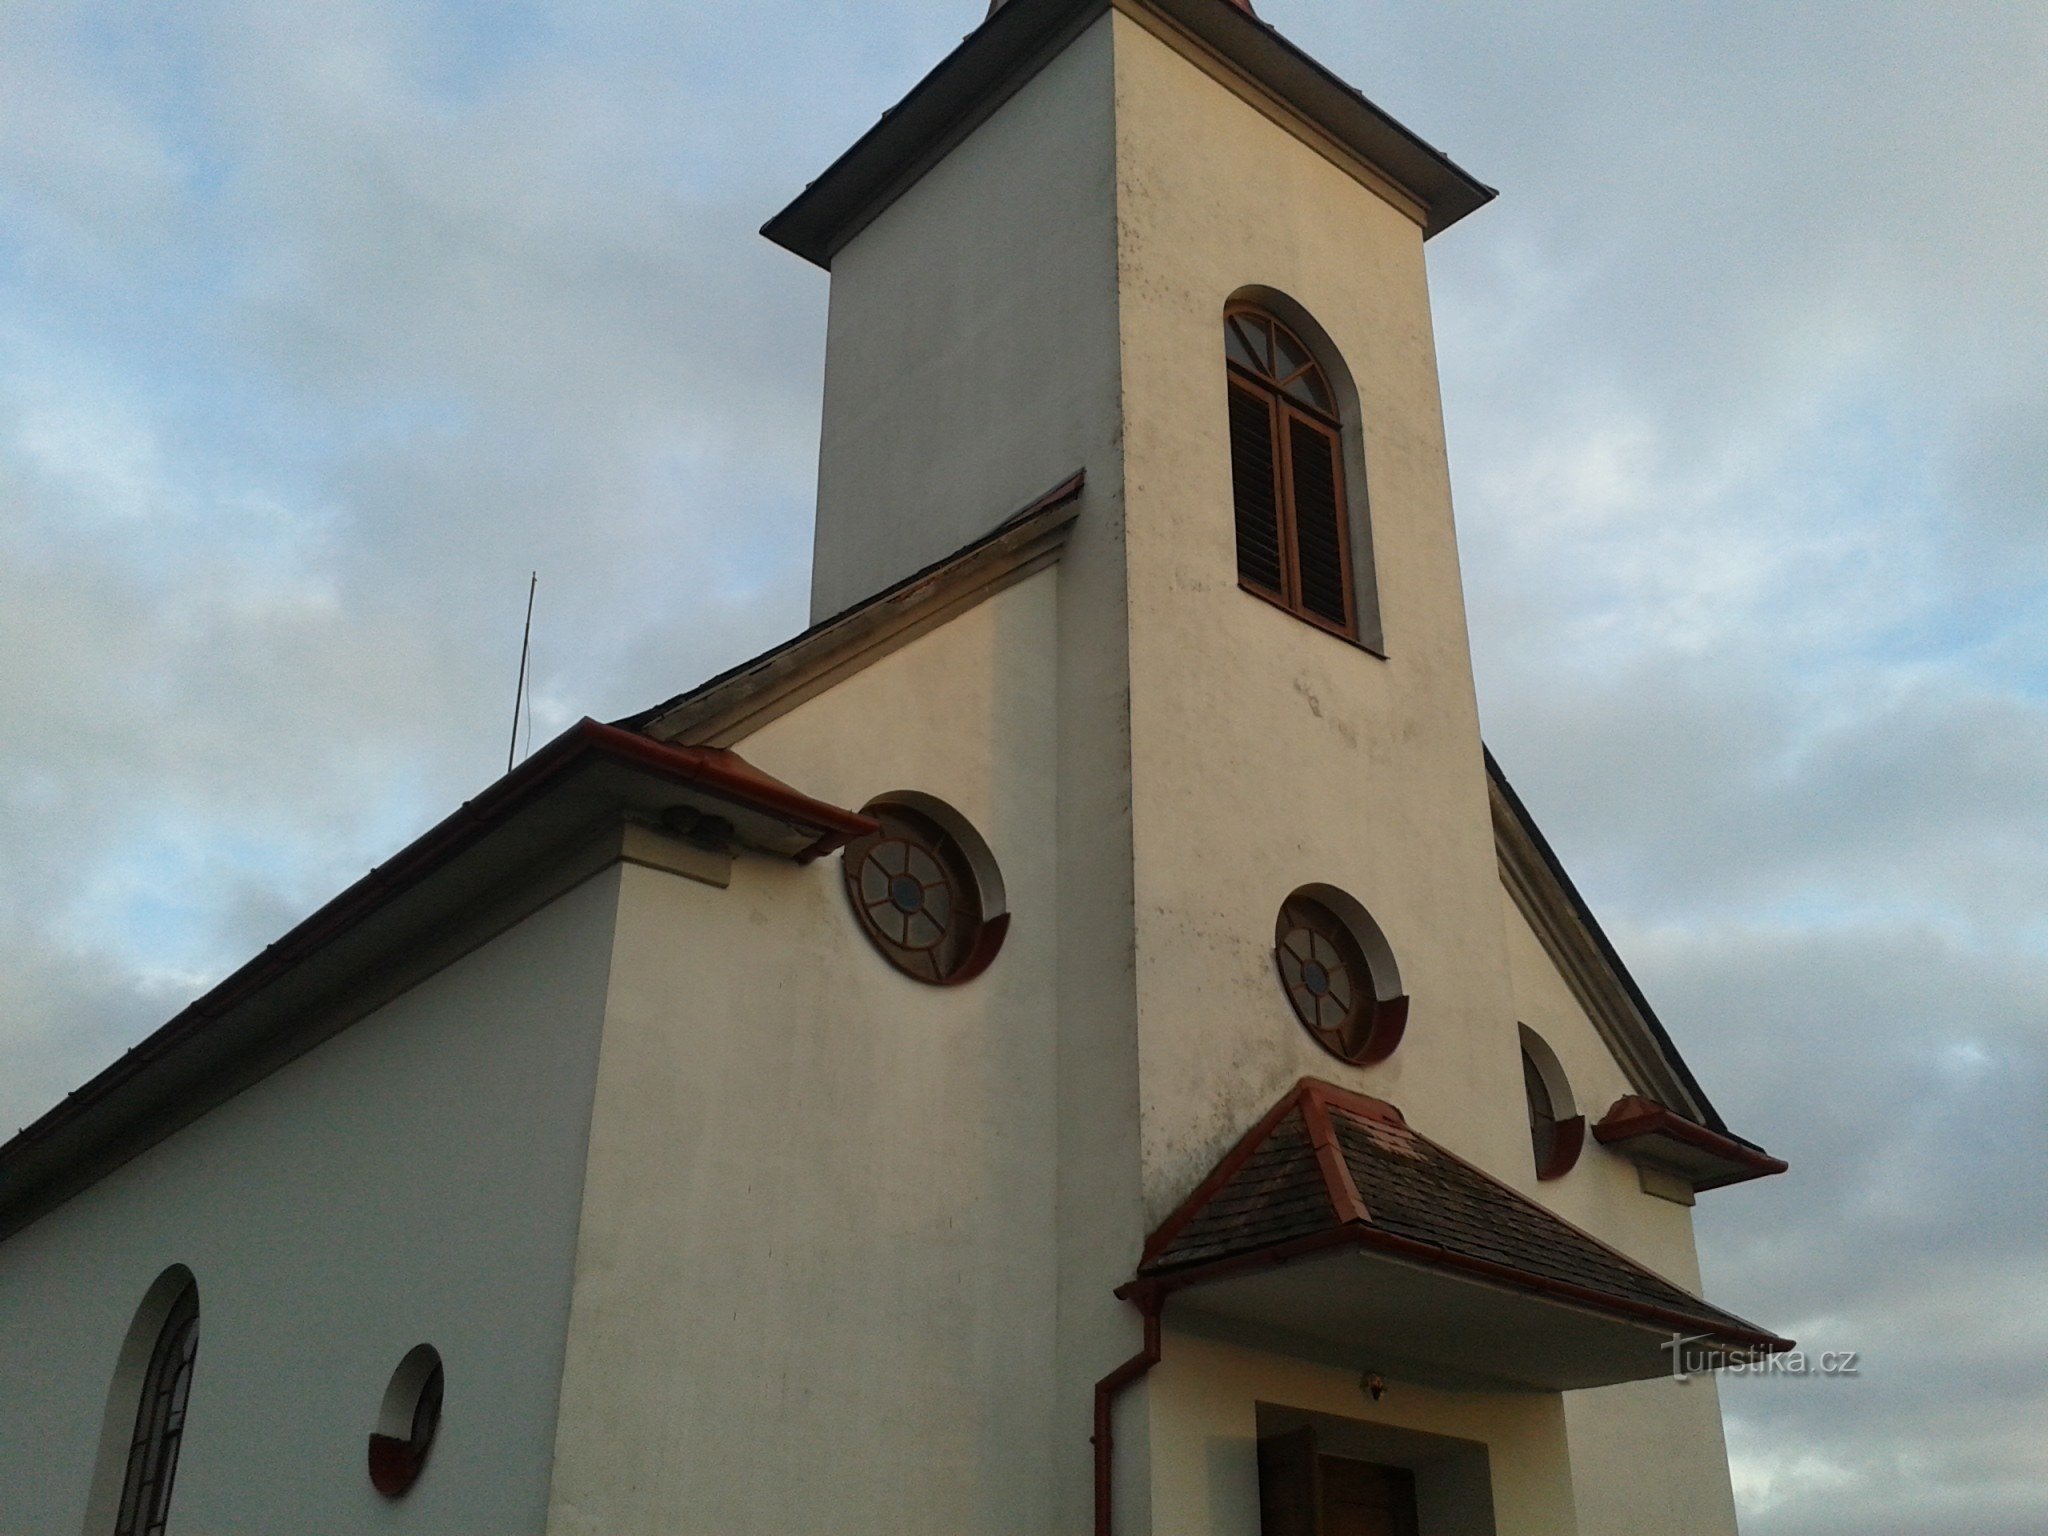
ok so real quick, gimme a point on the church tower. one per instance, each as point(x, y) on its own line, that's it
point(1154, 241)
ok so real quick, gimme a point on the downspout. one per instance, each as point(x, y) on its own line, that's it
point(1149, 1302)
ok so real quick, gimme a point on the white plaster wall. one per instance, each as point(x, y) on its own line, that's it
point(970, 360)
point(1266, 753)
point(1201, 1411)
point(413, 1179)
point(820, 1266)
point(1651, 1456)
point(972, 363)
point(1602, 1193)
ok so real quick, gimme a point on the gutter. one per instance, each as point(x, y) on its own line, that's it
point(1635, 1116)
point(708, 770)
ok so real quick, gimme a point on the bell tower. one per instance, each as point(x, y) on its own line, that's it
point(1154, 241)
point(1264, 660)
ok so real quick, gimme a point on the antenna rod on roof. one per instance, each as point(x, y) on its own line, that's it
point(525, 650)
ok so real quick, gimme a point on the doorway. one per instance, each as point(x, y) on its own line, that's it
point(1303, 1492)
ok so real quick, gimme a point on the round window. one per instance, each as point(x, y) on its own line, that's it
point(408, 1422)
point(926, 891)
point(1347, 1003)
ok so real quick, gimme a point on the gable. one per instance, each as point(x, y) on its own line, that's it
point(1550, 913)
point(750, 696)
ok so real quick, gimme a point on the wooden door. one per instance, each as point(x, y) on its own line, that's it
point(1360, 1499)
point(1304, 1493)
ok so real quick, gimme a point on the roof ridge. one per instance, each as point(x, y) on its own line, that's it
point(1345, 1199)
point(745, 696)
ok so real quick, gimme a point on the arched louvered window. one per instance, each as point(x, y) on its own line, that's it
point(1287, 474)
point(160, 1422)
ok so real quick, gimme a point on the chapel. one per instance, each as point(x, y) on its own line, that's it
point(1083, 1038)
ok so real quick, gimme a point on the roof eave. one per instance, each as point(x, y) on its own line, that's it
point(556, 798)
point(1648, 1132)
point(1020, 38)
point(728, 707)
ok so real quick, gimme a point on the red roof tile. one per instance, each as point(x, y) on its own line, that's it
point(1329, 1168)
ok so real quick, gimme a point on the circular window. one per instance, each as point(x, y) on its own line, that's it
point(1339, 976)
point(408, 1422)
point(926, 890)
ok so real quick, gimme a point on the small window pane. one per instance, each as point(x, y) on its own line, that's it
point(1256, 335)
point(1239, 349)
point(1253, 469)
point(1320, 560)
point(1289, 356)
point(1542, 1112)
point(1310, 389)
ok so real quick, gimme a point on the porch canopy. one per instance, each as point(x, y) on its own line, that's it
point(1334, 1231)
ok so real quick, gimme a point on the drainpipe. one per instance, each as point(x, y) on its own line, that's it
point(1149, 1302)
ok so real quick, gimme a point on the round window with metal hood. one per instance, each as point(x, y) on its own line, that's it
point(926, 891)
point(1339, 976)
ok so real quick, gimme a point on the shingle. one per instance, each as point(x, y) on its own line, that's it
point(1277, 1192)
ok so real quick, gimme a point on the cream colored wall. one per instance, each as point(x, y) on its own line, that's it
point(972, 363)
point(1672, 1426)
point(820, 1262)
point(1201, 1410)
point(413, 1179)
point(1651, 1456)
point(1267, 754)
point(1602, 1194)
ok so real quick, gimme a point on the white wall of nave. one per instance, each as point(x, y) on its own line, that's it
point(818, 1286)
point(413, 1179)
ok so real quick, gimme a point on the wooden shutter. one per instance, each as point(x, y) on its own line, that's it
point(1255, 482)
point(1290, 1485)
point(1321, 560)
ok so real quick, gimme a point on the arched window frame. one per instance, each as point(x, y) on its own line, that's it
point(143, 1429)
point(1557, 1131)
point(1297, 469)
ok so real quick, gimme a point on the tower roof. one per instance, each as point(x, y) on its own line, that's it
point(1021, 36)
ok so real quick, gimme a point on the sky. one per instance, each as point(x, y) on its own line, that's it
point(321, 326)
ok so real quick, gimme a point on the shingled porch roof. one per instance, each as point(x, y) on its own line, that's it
point(1462, 1261)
